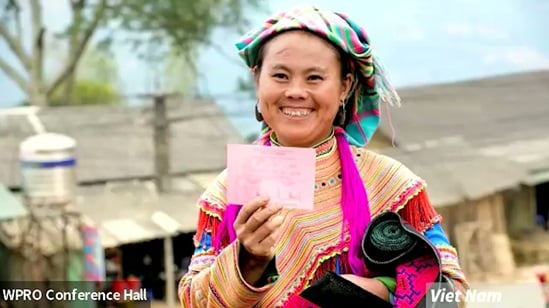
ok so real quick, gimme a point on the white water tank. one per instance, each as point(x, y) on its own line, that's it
point(48, 164)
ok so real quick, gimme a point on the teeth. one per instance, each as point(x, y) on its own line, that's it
point(296, 112)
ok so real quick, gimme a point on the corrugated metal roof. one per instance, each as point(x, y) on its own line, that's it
point(504, 116)
point(124, 213)
point(121, 231)
point(531, 153)
point(498, 110)
point(456, 173)
point(115, 142)
point(140, 225)
point(134, 213)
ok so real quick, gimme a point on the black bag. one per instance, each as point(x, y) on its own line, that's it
point(334, 291)
point(389, 242)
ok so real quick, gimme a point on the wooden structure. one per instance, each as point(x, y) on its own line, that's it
point(483, 117)
point(469, 191)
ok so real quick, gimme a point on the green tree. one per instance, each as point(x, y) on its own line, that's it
point(177, 29)
point(182, 26)
point(179, 75)
point(86, 17)
point(95, 80)
point(98, 64)
point(87, 92)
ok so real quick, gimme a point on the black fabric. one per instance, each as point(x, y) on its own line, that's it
point(381, 257)
point(401, 244)
point(271, 273)
point(389, 241)
point(335, 291)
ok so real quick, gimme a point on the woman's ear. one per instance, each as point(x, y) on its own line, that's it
point(255, 74)
point(346, 86)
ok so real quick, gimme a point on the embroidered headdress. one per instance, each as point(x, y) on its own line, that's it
point(372, 85)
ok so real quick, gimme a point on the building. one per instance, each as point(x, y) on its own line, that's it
point(500, 124)
point(116, 170)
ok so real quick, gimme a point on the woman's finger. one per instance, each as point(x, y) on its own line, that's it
point(261, 216)
point(269, 228)
point(250, 208)
point(272, 238)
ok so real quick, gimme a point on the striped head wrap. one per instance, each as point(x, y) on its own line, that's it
point(368, 91)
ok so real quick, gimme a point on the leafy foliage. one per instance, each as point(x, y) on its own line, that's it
point(156, 29)
point(87, 92)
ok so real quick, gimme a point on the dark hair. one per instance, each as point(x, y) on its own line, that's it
point(347, 67)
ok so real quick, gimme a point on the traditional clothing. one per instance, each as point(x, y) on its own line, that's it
point(352, 186)
point(310, 241)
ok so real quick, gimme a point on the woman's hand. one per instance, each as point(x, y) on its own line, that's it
point(371, 285)
point(256, 228)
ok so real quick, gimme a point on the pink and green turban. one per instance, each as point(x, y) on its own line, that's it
point(351, 39)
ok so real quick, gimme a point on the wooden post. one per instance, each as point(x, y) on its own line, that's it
point(169, 269)
point(162, 181)
point(161, 144)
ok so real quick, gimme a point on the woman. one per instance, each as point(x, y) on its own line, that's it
point(318, 86)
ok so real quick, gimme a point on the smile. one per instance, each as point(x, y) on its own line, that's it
point(296, 112)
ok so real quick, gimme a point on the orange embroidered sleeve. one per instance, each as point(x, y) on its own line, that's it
point(420, 213)
point(214, 279)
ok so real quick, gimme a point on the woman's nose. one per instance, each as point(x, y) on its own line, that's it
point(296, 90)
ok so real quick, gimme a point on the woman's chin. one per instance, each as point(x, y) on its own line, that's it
point(295, 138)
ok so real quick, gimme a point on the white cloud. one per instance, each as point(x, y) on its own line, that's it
point(522, 57)
point(477, 30)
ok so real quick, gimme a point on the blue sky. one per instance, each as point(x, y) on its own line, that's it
point(429, 41)
point(420, 42)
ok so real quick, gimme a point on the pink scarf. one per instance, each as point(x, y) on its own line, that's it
point(354, 205)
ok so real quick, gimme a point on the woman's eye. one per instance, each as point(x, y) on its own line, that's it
point(279, 76)
point(315, 77)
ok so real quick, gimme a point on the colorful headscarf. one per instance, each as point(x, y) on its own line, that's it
point(353, 40)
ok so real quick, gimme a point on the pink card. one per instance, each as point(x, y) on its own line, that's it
point(285, 174)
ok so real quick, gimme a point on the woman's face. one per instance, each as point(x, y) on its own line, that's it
point(300, 88)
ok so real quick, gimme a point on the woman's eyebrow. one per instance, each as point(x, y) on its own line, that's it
point(318, 69)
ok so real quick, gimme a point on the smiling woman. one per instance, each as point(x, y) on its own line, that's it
point(318, 86)
point(301, 85)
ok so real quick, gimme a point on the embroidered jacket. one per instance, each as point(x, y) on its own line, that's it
point(309, 246)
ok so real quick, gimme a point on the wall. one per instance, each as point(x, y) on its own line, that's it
point(520, 210)
point(530, 242)
point(478, 229)
point(488, 210)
